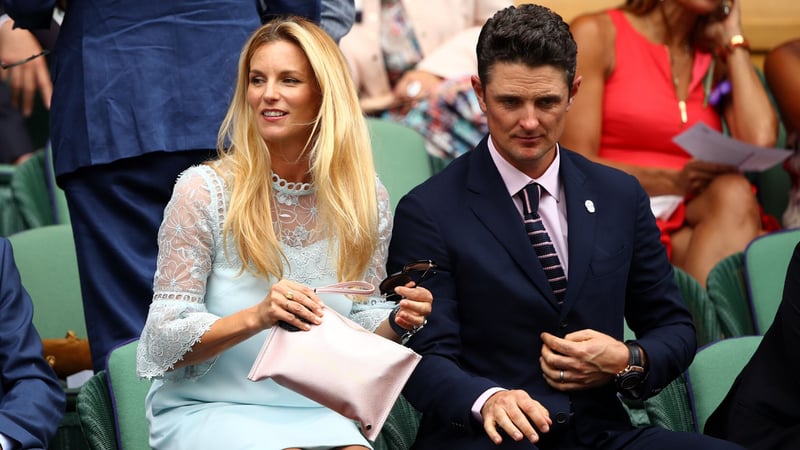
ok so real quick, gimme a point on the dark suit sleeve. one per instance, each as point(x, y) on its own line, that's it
point(30, 14)
point(439, 386)
point(788, 318)
point(32, 402)
point(654, 308)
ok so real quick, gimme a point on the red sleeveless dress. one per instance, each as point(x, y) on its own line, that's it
point(640, 108)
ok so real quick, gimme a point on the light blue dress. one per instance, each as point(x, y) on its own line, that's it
point(197, 281)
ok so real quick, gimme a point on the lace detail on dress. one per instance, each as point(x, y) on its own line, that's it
point(295, 214)
point(288, 192)
point(186, 240)
point(191, 251)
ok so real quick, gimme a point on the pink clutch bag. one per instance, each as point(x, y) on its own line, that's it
point(339, 364)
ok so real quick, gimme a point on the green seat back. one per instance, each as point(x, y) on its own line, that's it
point(96, 413)
point(128, 392)
point(727, 291)
point(671, 408)
point(400, 429)
point(10, 219)
point(699, 303)
point(400, 157)
point(765, 262)
point(48, 266)
point(31, 192)
point(774, 186)
point(713, 371)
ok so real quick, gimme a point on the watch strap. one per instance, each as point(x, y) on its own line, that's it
point(629, 381)
point(635, 358)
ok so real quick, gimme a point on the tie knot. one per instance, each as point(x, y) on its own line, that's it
point(530, 198)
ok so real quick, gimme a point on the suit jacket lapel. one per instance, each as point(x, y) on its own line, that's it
point(486, 196)
point(581, 217)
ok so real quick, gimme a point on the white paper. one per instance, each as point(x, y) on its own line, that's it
point(710, 145)
point(664, 205)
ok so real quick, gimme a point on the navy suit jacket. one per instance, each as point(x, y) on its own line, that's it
point(31, 398)
point(492, 299)
point(135, 77)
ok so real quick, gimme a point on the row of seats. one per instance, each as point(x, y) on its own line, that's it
point(29, 196)
point(742, 297)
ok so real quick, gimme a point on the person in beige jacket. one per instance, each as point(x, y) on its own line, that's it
point(446, 32)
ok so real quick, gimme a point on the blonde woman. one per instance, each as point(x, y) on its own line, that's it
point(292, 203)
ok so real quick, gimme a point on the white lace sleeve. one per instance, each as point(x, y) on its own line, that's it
point(178, 316)
point(371, 312)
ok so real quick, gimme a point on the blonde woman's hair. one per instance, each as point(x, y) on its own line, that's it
point(340, 159)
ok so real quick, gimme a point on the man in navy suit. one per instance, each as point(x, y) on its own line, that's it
point(31, 398)
point(506, 362)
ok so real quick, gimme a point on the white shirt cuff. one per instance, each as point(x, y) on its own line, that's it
point(478, 405)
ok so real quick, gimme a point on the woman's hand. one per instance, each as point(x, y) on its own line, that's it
point(719, 30)
point(697, 175)
point(415, 307)
point(414, 86)
point(292, 303)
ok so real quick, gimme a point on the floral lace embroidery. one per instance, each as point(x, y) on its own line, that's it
point(191, 248)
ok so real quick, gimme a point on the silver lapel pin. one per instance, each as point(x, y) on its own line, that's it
point(589, 206)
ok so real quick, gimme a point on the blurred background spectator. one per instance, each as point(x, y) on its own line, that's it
point(689, 62)
point(782, 69)
point(411, 61)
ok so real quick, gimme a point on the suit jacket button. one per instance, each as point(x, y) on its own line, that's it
point(563, 324)
point(562, 418)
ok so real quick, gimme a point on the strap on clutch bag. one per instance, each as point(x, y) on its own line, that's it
point(347, 287)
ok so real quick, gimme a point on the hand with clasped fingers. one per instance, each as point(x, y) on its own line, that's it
point(581, 360)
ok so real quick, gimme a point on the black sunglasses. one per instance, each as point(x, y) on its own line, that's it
point(417, 271)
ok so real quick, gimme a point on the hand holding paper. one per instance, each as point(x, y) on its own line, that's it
point(707, 144)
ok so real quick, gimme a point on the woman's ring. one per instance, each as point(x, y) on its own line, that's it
point(289, 295)
point(561, 376)
point(413, 89)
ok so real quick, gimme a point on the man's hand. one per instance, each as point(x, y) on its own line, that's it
point(517, 414)
point(581, 360)
point(25, 79)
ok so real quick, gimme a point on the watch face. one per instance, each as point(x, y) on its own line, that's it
point(630, 380)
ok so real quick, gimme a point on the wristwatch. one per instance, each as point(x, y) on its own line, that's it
point(629, 380)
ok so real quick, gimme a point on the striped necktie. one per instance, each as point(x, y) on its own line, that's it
point(541, 240)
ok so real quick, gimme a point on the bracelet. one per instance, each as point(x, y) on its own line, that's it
point(736, 41)
point(404, 334)
point(398, 330)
